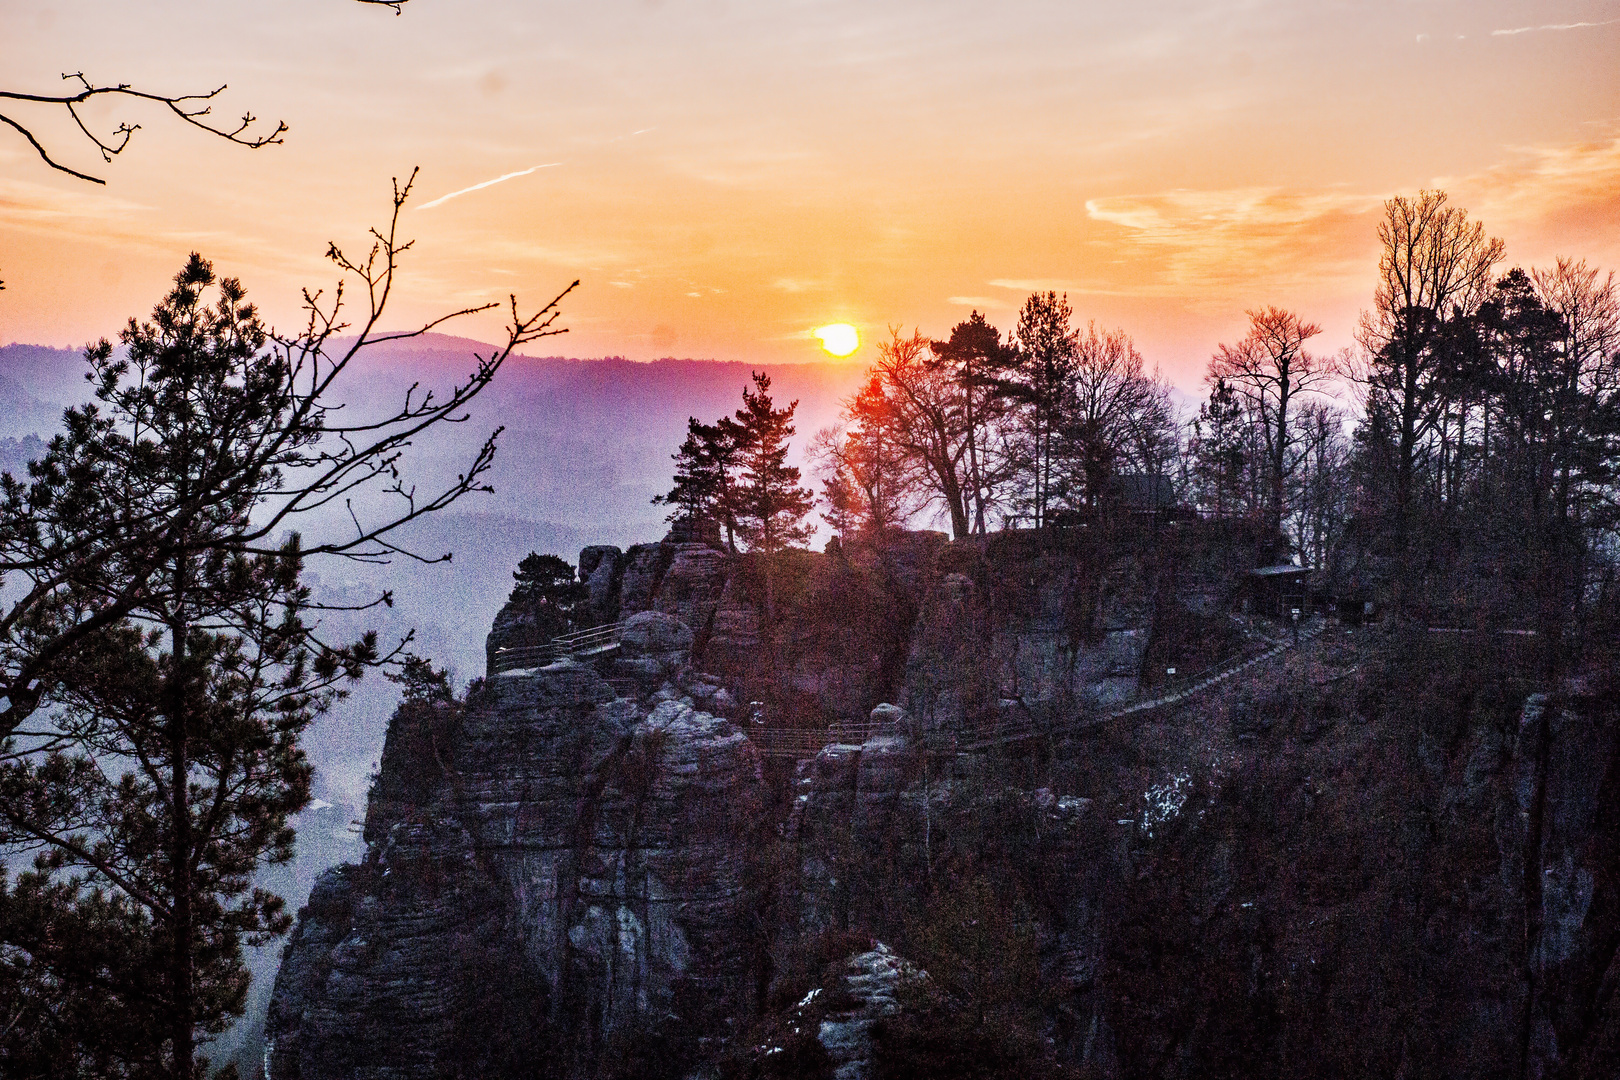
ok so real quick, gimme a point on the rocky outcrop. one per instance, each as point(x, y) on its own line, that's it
point(601, 568)
point(855, 808)
point(383, 975)
point(1382, 854)
point(691, 588)
point(591, 849)
point(644, 566)
point(1041, 628)
point(868, 993)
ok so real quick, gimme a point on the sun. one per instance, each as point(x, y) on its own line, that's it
point(839, 339)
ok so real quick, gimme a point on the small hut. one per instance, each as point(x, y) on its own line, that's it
point(1277, 590)
point(1147, 494)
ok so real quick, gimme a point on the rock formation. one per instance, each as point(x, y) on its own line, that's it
point(587, 852)
point(1383, 854)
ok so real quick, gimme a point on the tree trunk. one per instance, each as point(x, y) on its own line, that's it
point(181, 974)
point(1279, 453)
point(954, 500)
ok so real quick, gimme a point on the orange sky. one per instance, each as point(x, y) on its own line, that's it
point(731, 174)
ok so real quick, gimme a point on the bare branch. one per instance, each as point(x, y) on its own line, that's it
point(45, 156)
point(193, 109)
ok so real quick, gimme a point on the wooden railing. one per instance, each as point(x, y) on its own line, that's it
point(593, 642)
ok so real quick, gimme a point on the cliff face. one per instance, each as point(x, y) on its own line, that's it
point(1386, 853)
point(1377, 858)
point(568, 868)
point(958, 633)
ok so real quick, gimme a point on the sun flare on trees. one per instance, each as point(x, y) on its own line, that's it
point(839, 339)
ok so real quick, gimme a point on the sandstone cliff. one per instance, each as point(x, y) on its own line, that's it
point(1387, 853)
point(567, 867)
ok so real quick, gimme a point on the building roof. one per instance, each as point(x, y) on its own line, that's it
point(1279, 571)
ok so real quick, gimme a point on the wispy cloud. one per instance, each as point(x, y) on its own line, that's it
point(1210, 246)
point(1575, 188)
point(1552, 26)
point(1061, 285)
point(487, 183)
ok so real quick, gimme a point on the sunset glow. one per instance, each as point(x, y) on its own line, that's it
point(722, 176)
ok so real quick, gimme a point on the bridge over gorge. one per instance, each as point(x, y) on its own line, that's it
point(805, 743)
point(799, 743)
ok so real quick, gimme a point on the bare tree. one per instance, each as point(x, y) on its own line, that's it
point(1588, 304)
point(926, 422)
point(1319, 482)
point(1115, 413)
point(869, 483)
point(1435, 267)
point(1271, 368)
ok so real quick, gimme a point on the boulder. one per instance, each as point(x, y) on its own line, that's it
point(654, 633)
point(890, 719)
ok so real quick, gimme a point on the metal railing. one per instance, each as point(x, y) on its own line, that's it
point(800, 743)
point(807, 742)
point(581, 643)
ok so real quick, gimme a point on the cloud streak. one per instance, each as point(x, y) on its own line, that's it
point(486, 183)
point(1552, 26)
point(1577, 185)
point(1208, 247)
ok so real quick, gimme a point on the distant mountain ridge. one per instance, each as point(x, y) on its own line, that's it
point(586, 445)
point(586, 442)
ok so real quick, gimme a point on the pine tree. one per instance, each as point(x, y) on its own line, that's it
point(771, 506)
point(978, 362)
point(206, 685)
point(552, 592)
point(704, 491)
point(170, 634)
point(1219, 451)
point(1042, 381)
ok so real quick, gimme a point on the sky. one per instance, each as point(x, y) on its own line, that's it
point(723, 177)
